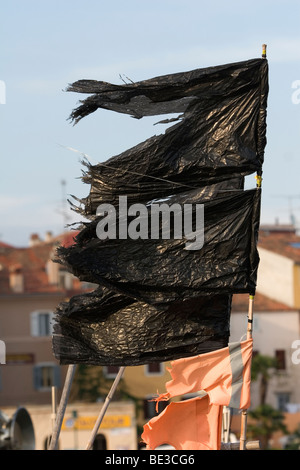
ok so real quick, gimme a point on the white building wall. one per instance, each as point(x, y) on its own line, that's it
point(274, 331)
point(275, 277)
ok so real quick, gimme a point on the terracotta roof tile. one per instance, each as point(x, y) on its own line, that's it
point(262, 303)
point(31, 263)
point(285, 244)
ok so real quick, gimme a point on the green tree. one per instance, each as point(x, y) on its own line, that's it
point(87, 384)
point(263, 368)
point(267, 421)
point(90, 385)
point(293, 442)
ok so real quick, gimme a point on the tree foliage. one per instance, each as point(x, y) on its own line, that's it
point(263, 367)
point(267, 420)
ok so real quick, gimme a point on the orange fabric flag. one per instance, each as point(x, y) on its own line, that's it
point(193, 424)
point(224, 374)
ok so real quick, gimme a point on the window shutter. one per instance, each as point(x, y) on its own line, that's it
point(154, 368)
point(36, 377)
point(57, 378)
point(52, 321)
point(2, 353)
point(34, 324)
point(280, 357)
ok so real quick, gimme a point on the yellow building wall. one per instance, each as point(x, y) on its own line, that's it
point(118, 425)
point(139, 384)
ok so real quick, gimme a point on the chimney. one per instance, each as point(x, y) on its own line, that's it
point(52, 271)
point(34, 239)
point(48, 237)
point(16, 279)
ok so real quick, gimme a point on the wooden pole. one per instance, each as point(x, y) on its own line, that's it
point(104, 408)
point(249, 335)
point(250, 445)
point(54, 410)
point(54, 405)
point(62, 407)
point(250, 310)
point(244, 412)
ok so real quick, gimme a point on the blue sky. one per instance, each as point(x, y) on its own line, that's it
point(45, 45)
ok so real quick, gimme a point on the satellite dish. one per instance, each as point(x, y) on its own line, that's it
point(17, 433)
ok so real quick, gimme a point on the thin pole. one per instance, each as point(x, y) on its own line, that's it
point(54, 405)
point(62, 406)
point(104, 408)
point(250, 308)
point(244, 412)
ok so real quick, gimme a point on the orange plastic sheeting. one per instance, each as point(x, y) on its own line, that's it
point(193, 424)
point(224, 374)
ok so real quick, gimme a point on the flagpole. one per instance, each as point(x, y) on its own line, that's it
point(250, 308)
point(249, 336)
point(104, 408)
point(244, 412)
point(62, 407)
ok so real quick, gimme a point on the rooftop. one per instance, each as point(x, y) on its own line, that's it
point(283, 243)
point(262, 303)
point(30, 269)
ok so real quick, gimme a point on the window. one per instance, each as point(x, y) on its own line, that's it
point(45, 376)
point(88, 285)
point(110, 372)
point(280, 357)
point(65, 279)
point(154, 368)
point(282, 400)
point(41, 323)
point(256, 324)
point(150, 407)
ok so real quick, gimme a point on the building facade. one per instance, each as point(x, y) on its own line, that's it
point(279, 267)
point(31, 287)
point(276, 333)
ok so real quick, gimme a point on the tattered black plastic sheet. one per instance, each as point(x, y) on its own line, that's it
point(156, 300)
point(103, 328)
point(221, 133)
point(157, 271)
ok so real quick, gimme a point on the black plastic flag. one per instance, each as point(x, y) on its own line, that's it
point(111, 329)
point(172, 232)
point(219, 257)
point(220, 134)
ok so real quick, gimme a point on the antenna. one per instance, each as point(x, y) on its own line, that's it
point(64, 203)
point(291, 209)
